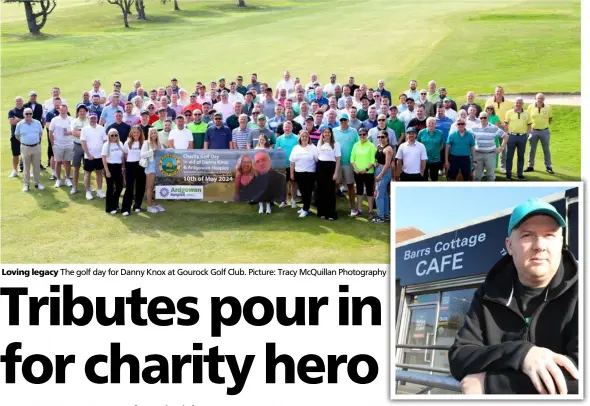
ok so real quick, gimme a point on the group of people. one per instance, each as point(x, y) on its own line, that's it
point(371, 138)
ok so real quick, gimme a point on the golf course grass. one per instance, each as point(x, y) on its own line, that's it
point(526, 46)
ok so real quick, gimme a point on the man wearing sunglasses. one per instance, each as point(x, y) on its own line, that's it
point(486, 151)
point(197, 127)
point(382, 126)
point(429, 108)
point(460, 146)
point(29, 133)
point(218, 135)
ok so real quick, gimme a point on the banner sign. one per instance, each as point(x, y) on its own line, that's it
point(463, 252)
point(221, 175)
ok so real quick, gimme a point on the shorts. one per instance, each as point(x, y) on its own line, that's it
point(151, 167)
point(91, 165)
point(15, 146)
point(365, 182)
point(346, 175)
point(61, 154)
point(78, 155)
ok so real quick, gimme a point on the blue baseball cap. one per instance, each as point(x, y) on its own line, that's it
point(344, 116)
point(530, 207)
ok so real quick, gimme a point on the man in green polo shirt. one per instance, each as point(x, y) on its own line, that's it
point(159, 124)
point(396, 125)
point(198, 128)
point(363, 113)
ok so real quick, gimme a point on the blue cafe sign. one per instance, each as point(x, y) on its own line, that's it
point(471, 250)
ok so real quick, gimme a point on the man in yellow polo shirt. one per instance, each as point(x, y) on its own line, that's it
point(501, 105)
point(541, 116)
point(518, 126)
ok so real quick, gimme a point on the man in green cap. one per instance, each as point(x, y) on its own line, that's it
point(521, 332)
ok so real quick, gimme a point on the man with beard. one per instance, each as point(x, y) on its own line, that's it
point(412, 92)
point(418, 122)
point(330, 87)
point(254, 83)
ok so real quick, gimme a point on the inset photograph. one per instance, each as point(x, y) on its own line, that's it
point(485, 291)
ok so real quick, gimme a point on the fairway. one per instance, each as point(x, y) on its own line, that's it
point(462, 45)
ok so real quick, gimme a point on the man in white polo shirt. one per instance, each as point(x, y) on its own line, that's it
point(62, 144)
point(485, 135)
point(286, 84)
point(93, 137)
point(411, 158)
point(180, 137)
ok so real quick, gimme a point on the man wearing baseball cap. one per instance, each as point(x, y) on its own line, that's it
point(521, 332)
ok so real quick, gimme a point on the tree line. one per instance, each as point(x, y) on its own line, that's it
point(37, 11)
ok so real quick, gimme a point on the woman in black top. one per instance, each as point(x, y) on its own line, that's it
point(383, 158)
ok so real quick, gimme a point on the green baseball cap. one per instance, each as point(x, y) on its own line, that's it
point(261, 117)
point(530, 207)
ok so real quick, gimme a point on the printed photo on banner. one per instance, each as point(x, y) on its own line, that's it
point(220, 175)
point(486, 299)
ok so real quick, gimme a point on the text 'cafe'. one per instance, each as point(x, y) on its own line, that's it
point(436, 277)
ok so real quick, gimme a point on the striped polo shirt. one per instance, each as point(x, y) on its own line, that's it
point(240, 137)
point(485, 137)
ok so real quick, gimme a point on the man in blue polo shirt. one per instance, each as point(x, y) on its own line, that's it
point(107, 116)
point(29, 133)
point(460, 152)
point(218, 136)
point(322, 101)
point(443, 124)
point(347, 136)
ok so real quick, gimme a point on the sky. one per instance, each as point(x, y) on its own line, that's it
point(431, 209)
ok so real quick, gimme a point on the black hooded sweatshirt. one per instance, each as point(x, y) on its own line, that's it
point(495, 337)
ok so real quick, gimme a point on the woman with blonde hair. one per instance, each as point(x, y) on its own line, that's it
point(113, 162)
point(245, 174)
point(134, 173)
point(148, 153)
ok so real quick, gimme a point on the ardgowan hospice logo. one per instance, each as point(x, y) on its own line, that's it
point(169, 165)
point(164, 192)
